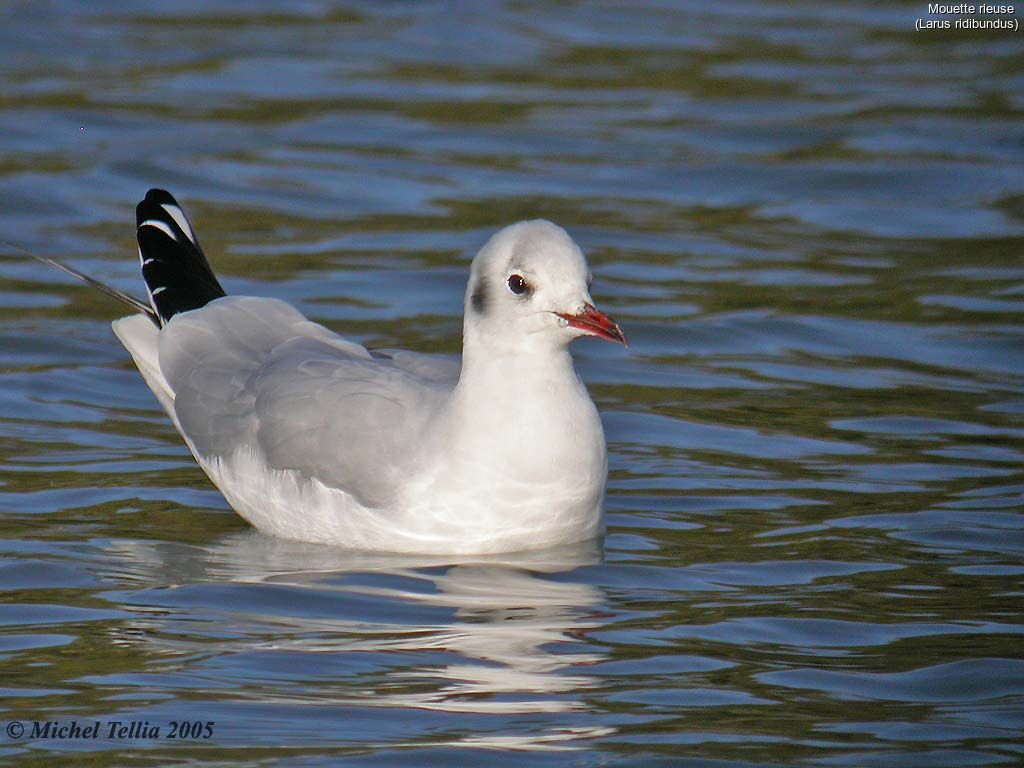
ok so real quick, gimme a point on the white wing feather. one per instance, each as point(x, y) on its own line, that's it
point(254, 374)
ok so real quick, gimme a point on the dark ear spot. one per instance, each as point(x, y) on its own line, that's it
point(478, 299)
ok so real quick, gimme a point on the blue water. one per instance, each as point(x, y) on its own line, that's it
point(808, 221)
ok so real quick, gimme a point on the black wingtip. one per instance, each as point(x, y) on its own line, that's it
point(174, 266)
point(160, 205)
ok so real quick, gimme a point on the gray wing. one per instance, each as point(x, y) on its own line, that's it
point(252, 372)
point(441, 369)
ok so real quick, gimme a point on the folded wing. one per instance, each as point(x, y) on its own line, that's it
point(254, 374)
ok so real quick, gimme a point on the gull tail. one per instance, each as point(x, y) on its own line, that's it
point(178, 276)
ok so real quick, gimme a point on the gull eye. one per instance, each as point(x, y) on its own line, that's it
point(518, 285)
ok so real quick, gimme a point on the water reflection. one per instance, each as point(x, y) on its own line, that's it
point(493, 634)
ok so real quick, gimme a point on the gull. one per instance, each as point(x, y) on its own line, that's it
point(313, 437)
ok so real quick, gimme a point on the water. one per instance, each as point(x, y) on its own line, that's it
point(808, 221)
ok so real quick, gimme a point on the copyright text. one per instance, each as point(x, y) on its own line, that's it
point(55, 730)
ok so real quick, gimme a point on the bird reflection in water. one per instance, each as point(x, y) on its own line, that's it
point(494, 634)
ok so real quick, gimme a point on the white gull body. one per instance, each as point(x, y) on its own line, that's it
point(310, 436)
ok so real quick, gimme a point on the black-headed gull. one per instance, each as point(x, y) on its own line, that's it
point(313, 437)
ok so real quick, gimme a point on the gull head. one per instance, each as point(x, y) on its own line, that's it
point(529, 291)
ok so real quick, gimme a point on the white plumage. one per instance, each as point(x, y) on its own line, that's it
point(313, 437)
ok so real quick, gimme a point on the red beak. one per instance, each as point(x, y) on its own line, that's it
point(595, 323)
